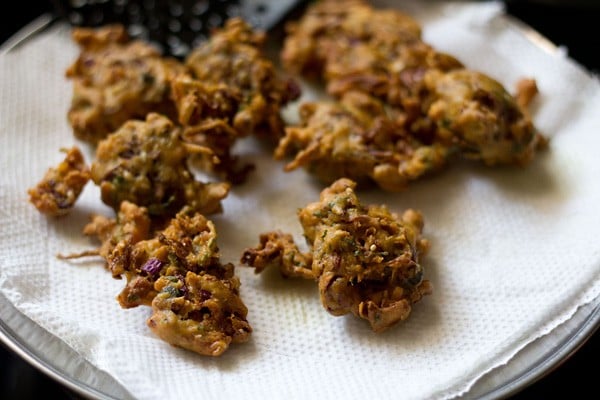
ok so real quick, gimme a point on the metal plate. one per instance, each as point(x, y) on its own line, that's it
point(53, 357)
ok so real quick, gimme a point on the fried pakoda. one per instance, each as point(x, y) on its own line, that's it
point(233, 91)
point(131, 225)
point(59, 189)
point(433, 98)
point(206, 112)
point(278, 250)
point(234, 56)
point(364, 258)
point(352, 46)
point(199, 312)
point(145, 162)
point(358, 138)
point(475, 113)
point(116, 79)
point(195, 299)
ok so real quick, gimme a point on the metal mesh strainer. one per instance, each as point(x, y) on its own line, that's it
point(174, 25)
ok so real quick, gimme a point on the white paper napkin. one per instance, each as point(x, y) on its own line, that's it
point(514, 252)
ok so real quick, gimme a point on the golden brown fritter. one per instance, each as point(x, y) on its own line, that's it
point(116, 79)
point(59, 189)
point(336, 39)
point(195, 299)
point(116, 235)
point(206, 112)
point(364, 258)
point(352, 46)
point(188, 243)
point(433, 98)
point(358, 138)
point(475, 113)
point(145, 162)
point(199, 312)
point(233, 91)
point(234, 56)
point(177, 270)
point(278, 250)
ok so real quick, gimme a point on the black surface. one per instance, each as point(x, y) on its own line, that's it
point(576, 28)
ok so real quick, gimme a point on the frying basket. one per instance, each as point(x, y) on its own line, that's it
point(175, 26)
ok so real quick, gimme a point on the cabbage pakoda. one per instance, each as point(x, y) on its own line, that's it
point(206, 112)
point(476, 115)
point(132, 224)
point(432, 97)
point(197, 304)
point(358, 138)
point(116, 79)
point(234, 56)
point(199, 312)
point(350, 45)
point(232, 91)
point(59, 189)
point(177, 270)
point(365, 259)
point(146, 163)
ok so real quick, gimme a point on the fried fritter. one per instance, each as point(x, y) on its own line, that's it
point(476, 114)
point(234, 56)
point(329, 29)
point(116, 79)
point(59, 189)
point(434, 99)
point(206, 112)
point(364, 258)
point(188, 243)
point(352, 46)
point(233, 91)
point(195, 298)
point(358, 138)
point(199, 312)
point(145, 162)
point(116, 235)
point(278, 250)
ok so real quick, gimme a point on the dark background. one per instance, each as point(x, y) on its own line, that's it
point(572, 24)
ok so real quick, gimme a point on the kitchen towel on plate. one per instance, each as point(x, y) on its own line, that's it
point(514, 252)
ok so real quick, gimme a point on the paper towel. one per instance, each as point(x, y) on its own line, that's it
point(514, 252)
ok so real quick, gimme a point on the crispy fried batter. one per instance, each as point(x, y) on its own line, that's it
point(364, 258)
point(116, 79)
point(195, 299)
point(145, 162)
point(234, 56)
point(132, 225)
point(278, 250)
point(205, 317)
point(339, 39)
point(475, 113)
point(233, 91)
point(433, 98)
point(188, 243)
point(206, 111)
point(353, 46)
point(59, 189)
point(358, 139)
